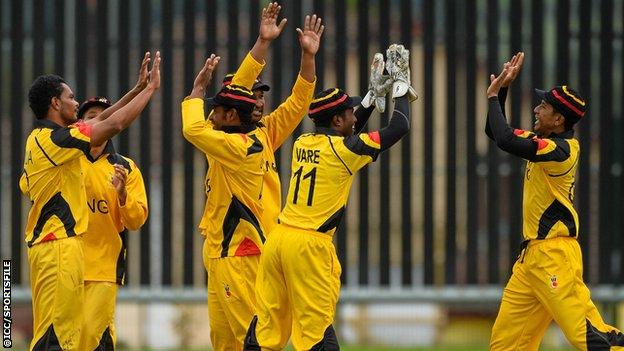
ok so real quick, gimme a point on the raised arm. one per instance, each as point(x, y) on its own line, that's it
point(140, 85)
point(269, 31)
point(399, 124)
point(517, 60)
point(362, 114)
point(502, 133)
point(228, 149)
point(281, 122)
point(310, 41)
point(122, 118)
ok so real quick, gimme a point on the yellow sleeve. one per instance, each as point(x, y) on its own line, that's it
point(227, 149)
point(65, 144)
point(555, 155)
point(134, 212)
point(23, 183)
point(247, 72)
point(281, 122)
point(359, 150)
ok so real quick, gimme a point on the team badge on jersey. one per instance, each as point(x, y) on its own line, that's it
point(228, 293)
point(553, 282)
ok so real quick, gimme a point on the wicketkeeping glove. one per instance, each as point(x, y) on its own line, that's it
point(378, 85)
point(397, 65)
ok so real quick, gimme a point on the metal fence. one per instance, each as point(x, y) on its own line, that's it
point(442, 208)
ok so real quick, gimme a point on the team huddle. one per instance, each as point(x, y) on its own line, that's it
point(273, 273)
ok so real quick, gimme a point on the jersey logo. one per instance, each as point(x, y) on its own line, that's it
point(553, 282)
point(228, 293)
point(529, 167)
point(100, 206)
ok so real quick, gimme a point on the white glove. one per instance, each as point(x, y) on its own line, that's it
point(378, 85)
point(397, 64)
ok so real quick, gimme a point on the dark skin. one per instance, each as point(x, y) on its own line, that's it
point(309, 40)
point(344, 123)
point(63, 109)
point(121, 175)
point(221, 116)
point(547, 119)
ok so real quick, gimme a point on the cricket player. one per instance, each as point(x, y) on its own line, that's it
point(233, 233)
point(279, 124)
point(53, 181)
point(117, 202)
point(547, 279)
point(299, 277)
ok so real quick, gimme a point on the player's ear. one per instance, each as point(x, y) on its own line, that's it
point(336, 120)
point(230, 115)
point(55, 103)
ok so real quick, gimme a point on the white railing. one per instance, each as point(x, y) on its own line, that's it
point(446, 295)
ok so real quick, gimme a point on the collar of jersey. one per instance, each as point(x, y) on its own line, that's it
point(325, 130)
point(109, 149)
point(568, 134)
point(46, 123)
point(245, 128)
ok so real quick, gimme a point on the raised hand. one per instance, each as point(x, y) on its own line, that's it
point(497, 82)
point(398, 67)
point(154, 73)
point(269, 29)
point(310, 36)
point(378, 85)
point(204, 77)
point(516, 61)
point(143, 72)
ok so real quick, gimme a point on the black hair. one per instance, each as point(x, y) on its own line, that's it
point(326, 122)
point(568, 123)
point(41, 92)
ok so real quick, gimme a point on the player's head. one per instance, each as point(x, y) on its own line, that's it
point(258, 89)
point(333, 108)
point(232, 106)
point(558, 110)
point(93, 107)
point(50, 97)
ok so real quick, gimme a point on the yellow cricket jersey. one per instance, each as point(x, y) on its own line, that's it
point(52, 179)
point(105, 240)
point(323, 167)
point(234, 184)
point(548, 197)
point(277, 126)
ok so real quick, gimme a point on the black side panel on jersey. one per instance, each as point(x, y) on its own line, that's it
point(356, 145)
point(255, 147)
point(235, 213)
point(63, 138)
point(49, 341)
point(333, 221)
point(559, 154)
point(554, 213)
point(56, 206)
point(106, 342)
point(121, 259)
point(118, 159)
